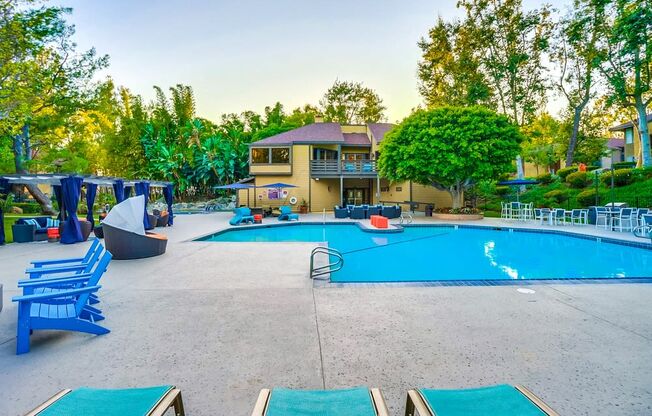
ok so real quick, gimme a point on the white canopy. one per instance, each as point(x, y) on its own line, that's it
point(128, 215)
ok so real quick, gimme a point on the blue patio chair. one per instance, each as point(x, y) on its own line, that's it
point(54, 311)
point(360, 401)
point(60, 283)
point(389, 212)
point(242, 216)
point(358, 213)
point(500, 400)
point(367, 167)
point(95, 245)
point(341, 212)
point(349, 167)
point(287, 214)
point(144, 401)
point(81, 267)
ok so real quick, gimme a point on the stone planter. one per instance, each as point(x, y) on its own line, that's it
point(457, 217)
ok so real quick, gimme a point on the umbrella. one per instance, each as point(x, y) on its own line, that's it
point(517, 182)
point(128, 215)
point(278, 185)
point(237, 186)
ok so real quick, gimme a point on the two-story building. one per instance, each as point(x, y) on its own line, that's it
point(329, 164)
point(632, 149)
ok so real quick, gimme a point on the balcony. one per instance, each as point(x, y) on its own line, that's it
point(335, 168)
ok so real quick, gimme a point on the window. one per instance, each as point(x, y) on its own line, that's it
point(356, 156)
point(269, 155)
point(324, 154)
point(259, 155)
point(280, 155)
point(629, 136)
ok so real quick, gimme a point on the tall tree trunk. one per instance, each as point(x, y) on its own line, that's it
point(20, 147)
point(457, 194)
point(572, 144)
point(644, 133)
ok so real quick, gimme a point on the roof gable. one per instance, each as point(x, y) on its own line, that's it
point(311, 133)
point(378, 130)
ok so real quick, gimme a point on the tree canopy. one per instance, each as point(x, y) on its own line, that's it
point(352, 103)
point(450, 148)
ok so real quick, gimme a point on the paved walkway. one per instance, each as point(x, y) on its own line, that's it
point(223, 320)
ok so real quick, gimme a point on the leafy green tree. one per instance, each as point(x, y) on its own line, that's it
point(449, 70)
point(510, 44)
point(44, 79)
point(542, 145)
point(450, 148)
point(626, 61)
point(352, 103)
point(576, 53)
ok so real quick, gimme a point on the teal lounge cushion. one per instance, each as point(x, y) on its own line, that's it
point(348, 402)
point(500, 400)
point(99, 402)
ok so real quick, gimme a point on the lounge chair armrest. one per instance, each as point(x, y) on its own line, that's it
point(75, 278)
point(58, 269)
point(38, 263)
point(62, 294)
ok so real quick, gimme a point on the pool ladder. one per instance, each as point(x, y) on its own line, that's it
point(328, 268)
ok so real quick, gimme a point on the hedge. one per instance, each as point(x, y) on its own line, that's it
point(28, 207)
point(563, 172)
point(621, 177)
point(556, 195)
point(586, 197)
point(623, 165)
point(545, 178)
point(577, 180)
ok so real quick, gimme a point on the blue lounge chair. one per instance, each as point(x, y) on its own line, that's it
point(95, 245)
point(287, 215)
point(60, 283)
point(359, 401)
point(147, 401)
point(85, 266)
point(54, 311)
point(340, 212)
point(501, 400)
point(242, 215)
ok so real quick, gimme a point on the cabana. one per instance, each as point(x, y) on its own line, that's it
point(67, 191)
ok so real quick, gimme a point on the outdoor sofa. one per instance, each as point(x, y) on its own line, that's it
point(127, 245)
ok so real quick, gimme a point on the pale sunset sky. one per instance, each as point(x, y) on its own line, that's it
point(244, 55)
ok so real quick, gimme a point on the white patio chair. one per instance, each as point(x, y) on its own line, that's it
point(515, 210)
point(504, 210)
point(639, 215)
point(584, 213)
point(559, 216)
point(601, 217)
point(527, 212)
point(624, 220)
point(576, 217)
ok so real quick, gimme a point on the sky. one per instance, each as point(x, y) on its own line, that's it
point(246, 54)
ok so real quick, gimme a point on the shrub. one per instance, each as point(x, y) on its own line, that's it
point(586, 197)
point(591, 168)
point(623, 165)
point(545, 178)
point(641, 174)
point(577, 179)
point(563, 172)
point(502, 190)
point(556, 195)
point(622, 177)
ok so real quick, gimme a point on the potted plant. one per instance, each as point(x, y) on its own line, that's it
point(303, 207)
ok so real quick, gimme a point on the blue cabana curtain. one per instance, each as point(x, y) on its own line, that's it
point(168, 193)
point(119, 190)
point(128, 191)
point(4, 189)
point(70, 194)
point(142, 188)
point(57, 196)
point(91, 191)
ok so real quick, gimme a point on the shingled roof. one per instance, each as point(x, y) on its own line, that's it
point(629, 124)
point(311, 133)
point(378, 130)
point(326, 133)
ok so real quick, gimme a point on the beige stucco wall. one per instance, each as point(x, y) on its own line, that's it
point(354, 128)
point(279, 169)
point(420, 193)
point(325, 194)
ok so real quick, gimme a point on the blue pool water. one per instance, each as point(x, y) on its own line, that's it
point(446, 253)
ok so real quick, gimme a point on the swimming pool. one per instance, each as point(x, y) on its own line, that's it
point(454, 254)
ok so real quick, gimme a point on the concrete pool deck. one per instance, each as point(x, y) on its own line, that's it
point(223, 320)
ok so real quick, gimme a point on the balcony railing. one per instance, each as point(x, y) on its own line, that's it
point(343, 167)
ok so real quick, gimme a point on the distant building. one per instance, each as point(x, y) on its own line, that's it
point(615, 152)
point(632, 148)
point(330, 164)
